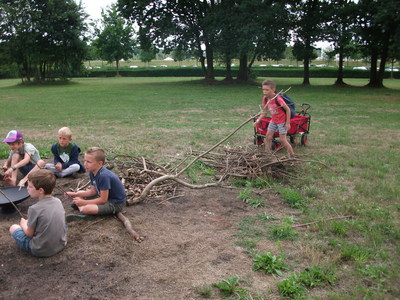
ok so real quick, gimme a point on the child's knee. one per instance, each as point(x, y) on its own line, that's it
point(41, 163)
point(13, 228)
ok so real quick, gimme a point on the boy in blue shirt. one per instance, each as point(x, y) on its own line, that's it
point(66, 155)
point(107, 193)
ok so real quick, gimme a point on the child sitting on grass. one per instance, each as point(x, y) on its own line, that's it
point(106, 188)
point(23, 157)
point(66, 155)
point(43, 234)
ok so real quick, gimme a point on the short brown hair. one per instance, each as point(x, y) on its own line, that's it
point(44, 179)
point(98, 153)
point(270, 83)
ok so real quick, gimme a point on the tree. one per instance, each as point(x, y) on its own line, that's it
point(378, 23)
point(187, 25)
point(115, 38)
point(309, 16)
point(44, 38)
point(341, 30)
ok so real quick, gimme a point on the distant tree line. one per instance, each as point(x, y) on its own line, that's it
point(50, 39)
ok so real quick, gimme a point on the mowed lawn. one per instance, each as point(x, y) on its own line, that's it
point(354, 134)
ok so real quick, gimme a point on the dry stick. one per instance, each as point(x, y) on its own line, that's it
point(330, 219)
point(129, 228)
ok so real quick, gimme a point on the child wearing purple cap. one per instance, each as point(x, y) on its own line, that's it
point(23, 157)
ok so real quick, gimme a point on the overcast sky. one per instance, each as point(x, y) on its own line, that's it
point(93, 7)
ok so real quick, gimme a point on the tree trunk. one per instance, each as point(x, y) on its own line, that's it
point(306, 74)
point(117, 64)
point(339, 79)
point(210, 62)
point(243, 71)
point(228, 63)
point(373, 76)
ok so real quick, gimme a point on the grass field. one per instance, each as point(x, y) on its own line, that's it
point(354, 134)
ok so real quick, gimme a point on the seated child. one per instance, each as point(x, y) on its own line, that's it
point(106, 188)
point(66, 155)
point(43, 234)
point(23, 156)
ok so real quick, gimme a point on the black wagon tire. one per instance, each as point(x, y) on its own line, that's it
point(304, 139)
point(275, 145)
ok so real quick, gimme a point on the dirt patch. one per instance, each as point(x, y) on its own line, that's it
point(189, 242)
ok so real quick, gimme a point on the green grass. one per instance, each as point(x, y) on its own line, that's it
point(354, 134)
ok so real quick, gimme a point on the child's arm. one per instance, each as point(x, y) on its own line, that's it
point(6, 164)
point(24, 225)
point(287, 110)
point(83, 194)
point(100, 200)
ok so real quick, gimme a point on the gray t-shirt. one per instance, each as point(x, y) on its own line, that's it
point(47, 217)
point(28, 148)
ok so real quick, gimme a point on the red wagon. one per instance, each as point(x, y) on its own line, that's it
point(299, 127)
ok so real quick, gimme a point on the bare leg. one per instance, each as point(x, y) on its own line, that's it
point(268, 141)
point(286, 144)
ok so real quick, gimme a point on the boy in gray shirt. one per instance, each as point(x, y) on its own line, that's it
point(43, 234)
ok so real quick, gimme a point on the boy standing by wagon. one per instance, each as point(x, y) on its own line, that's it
point(106, 188)
point(66, 155)
point(23, 156)
point(43, 234)
point(280, 116)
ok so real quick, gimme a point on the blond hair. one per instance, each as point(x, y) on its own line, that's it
point(65, 131)
point(98, 153)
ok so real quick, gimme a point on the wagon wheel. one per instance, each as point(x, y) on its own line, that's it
point(258, 140)
point(304, 139)
point(275, 145)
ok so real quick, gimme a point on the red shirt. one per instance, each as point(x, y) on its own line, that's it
point(278, 115)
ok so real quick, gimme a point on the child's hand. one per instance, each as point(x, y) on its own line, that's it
point(23, 181)
point(23, 222)
point(70, 194)
point(8, 172)
point(79, 201)
point(58, 167)
point(287, 125)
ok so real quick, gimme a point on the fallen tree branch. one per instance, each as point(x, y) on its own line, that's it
point(129, 228)
point(315, 222)
point(168, 177)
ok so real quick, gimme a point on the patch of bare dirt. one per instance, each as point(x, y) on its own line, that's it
point(189, 242)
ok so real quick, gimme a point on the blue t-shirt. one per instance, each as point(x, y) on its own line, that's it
point(107, 180)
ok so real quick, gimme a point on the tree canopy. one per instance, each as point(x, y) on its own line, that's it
point(44, 38)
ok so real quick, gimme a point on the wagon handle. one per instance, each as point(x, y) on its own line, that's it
point(305, 106)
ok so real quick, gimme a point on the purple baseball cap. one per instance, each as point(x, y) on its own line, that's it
point(12, 136)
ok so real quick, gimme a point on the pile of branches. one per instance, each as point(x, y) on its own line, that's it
point(249, 163)
point(137, 173)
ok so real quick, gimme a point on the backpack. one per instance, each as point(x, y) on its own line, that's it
point(289, 102)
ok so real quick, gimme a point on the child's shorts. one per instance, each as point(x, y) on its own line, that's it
point(110, 208)
point(27, 168)
point(22, 240)
point(274, 127)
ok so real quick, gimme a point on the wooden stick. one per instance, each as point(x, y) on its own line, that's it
point(129, 228)
point(330, 219)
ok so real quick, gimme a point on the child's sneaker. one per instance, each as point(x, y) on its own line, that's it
point(73, 217)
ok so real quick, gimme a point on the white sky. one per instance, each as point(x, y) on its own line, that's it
point(93, 7)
